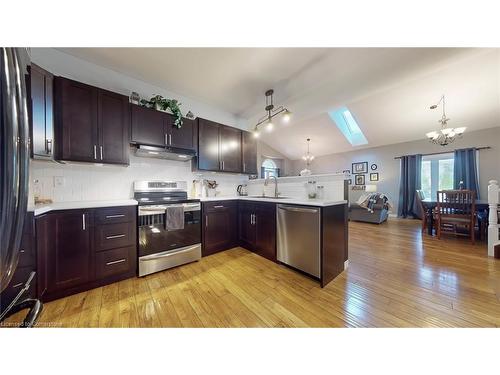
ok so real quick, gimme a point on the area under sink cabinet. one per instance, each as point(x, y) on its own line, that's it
point(84, 248)
point(257, 227)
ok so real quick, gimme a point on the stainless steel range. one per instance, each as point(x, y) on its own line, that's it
point(169, 225)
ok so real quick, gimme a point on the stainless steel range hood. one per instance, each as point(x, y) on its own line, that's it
point(170, 153)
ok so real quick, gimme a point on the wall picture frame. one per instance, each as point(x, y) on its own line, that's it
point(361, 167)
point(359, 179)
point(374, 176)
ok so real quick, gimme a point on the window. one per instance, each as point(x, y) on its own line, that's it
point(437, 173)
point(348, 125)
point(269, 169)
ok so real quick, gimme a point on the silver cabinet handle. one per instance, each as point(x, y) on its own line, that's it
point(48, 146)
point(222, 164)
point(206, 221)
point(100, 147)
point(95, 152)
point(219, 206)
point(116, 262)
point(115, 236)
point(170, 139)
point(114, 216)
point(298, 209)
point(166, 254)
point(17, 285)
point(83, 222)
point(21, 251)
point(166, 138)
point(244, 167)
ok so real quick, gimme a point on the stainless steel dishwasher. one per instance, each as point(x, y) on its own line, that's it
point(299, 235)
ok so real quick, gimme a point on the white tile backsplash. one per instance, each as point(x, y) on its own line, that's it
point(89, 182)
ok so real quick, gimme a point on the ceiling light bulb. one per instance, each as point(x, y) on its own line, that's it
point(431, 134)
point(446, 131)
point(460, 130)
point(256, 133)
point(286, 116)
point(269, 126)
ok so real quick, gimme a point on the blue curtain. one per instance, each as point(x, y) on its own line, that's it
point(410, 182)
point(465, 170)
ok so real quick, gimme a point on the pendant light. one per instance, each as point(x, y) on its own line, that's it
point(267, 120)
point(445, 135)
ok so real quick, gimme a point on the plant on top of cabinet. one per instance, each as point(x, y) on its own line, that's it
point(158, 102)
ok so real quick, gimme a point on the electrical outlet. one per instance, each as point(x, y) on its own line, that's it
point(59, 181)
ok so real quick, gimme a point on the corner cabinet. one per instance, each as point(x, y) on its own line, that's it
point(219, 147)
point(156, 128)
point(91, 124)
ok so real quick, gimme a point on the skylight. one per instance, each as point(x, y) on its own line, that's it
point(347, 124)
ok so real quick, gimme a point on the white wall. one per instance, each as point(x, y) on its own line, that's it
point(388, 167)
point(264, 151)
point(63, 64)
point(85, 181)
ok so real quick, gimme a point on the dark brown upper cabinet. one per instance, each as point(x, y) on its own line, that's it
point(91, 124)
point(248, 153)
point(219, 147)
point(156, 128)
point(41, 89)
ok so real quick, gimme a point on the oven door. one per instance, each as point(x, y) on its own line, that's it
point(154, 238)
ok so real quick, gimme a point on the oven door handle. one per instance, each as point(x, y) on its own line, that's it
point(166, 254)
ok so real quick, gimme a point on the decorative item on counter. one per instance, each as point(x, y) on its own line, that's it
point(311, 189)
point(211, 185)
point(360, 167)
point(373, 167)
point(159, 103)
point(242, 190)
point(135, 98)
point(321, 192)
point(359, 179)
point(190, 115)
point(373, 176)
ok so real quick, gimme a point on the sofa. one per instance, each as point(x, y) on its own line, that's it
point(379, 214)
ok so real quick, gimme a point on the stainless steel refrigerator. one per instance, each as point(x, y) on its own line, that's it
point(14, 174)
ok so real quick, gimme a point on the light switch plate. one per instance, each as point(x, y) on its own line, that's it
point(59, 181)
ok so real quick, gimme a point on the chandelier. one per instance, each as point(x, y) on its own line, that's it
point(271, 113)
point(308, 157)
point(445, 135)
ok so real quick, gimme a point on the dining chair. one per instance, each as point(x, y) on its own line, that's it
point(425, 213)
point(456, 208)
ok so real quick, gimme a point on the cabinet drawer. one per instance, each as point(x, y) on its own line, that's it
point(26, 251)
point(115, 262)
point(111, 236)
point(113, 215)
point(218, 205)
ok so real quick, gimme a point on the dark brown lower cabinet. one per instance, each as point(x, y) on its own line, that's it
point(257, 228)
point(78, 250)
point(220, 227)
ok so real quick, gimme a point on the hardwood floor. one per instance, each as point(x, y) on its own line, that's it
point(397, 277)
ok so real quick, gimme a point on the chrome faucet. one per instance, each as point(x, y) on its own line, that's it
point(266, 182)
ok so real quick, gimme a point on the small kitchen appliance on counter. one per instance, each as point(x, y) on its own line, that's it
point(169, 225)
point(242, 190)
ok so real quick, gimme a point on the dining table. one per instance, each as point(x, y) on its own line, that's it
point(482, 209)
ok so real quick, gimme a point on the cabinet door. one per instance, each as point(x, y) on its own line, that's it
point(148, 126)
point(113, 124)
point(230, 149)
point(69, 254)
point(208, 145)
point(183, 137)
point(219, 227)
point(76, 121)
point(249, 153)
point(265, 227)
point(41, 110)
point(246, 225)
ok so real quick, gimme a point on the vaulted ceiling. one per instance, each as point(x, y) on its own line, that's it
point(388, 90)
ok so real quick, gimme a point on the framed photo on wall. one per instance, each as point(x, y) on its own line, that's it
point(359, 179)
point(361, 167)
point(373, 176)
